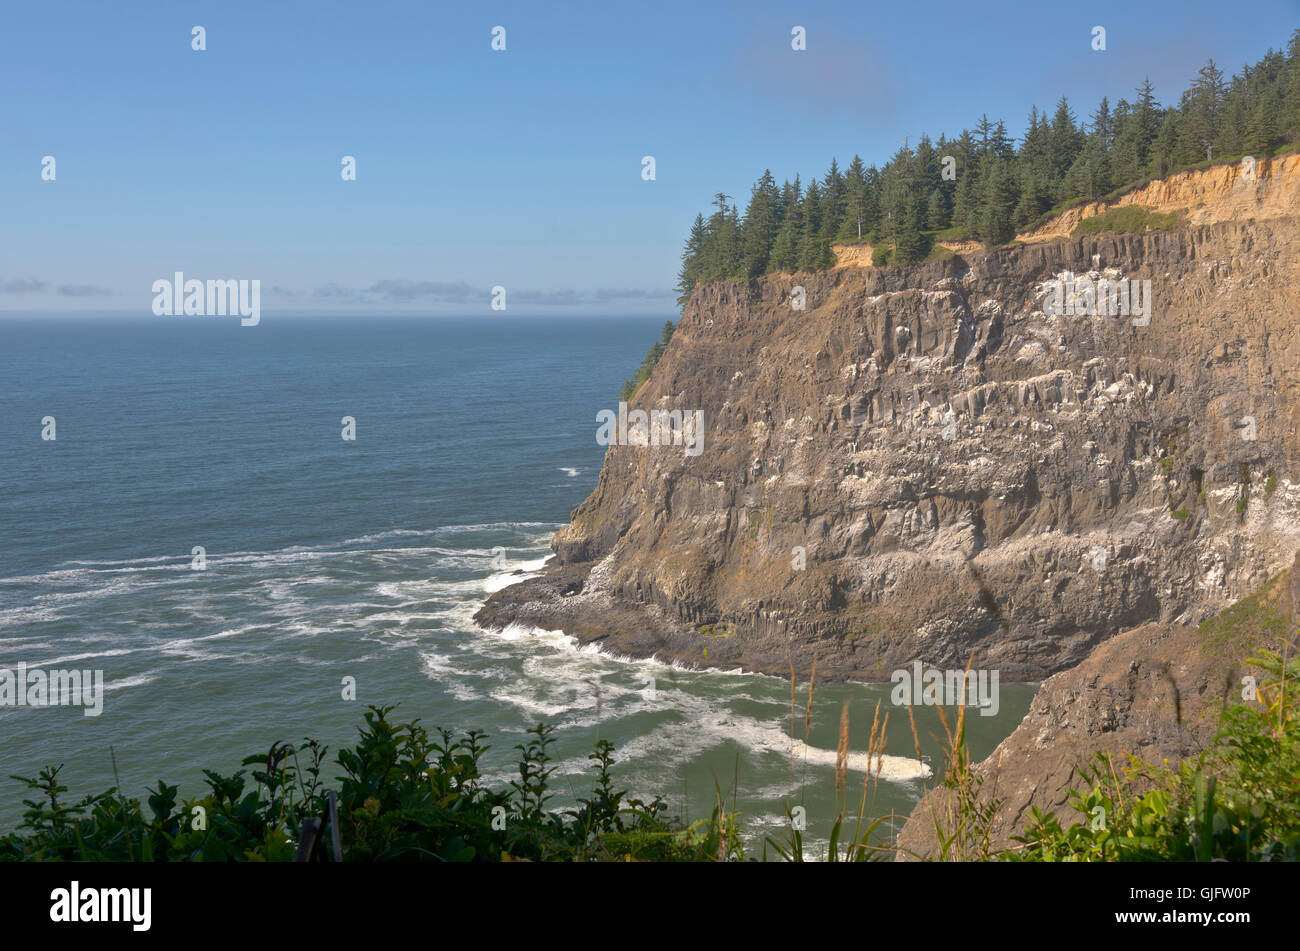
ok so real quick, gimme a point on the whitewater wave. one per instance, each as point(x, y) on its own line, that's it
point(78, 570)
point(554, 690)
point(139, 680)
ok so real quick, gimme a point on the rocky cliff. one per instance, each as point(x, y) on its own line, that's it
point(924, 463)
point(1154, 693)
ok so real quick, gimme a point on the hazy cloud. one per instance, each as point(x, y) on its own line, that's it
point(404, 290)
point(81, 290)
point(563, 298)
point(394, 291)
point(29, 286)
point(334, 292)
point(634, 293)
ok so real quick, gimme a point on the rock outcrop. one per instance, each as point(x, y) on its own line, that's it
point(1154, 694)
point(923, 464)
point(937, 463)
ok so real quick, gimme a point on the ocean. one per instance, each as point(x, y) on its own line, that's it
point(326, 559)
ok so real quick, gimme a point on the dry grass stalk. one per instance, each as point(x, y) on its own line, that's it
point(790, 791)
point(916, 740)
point(807, 717)
point(842, 751)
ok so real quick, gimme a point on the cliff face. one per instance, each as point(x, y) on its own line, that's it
point(963, 471)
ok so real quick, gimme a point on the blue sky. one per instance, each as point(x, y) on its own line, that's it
point(519, 168)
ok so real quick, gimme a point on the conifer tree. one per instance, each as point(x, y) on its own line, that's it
point(1034, 172)
point(1290, 111)
point(999, 187)
point(810, 248)
point(1146, 118)
point(855, 200)
point(785, 249)
point(1136, 128)
point(1164, 150)
point(1063, 143)
point(936, 217)
point(1261, 127)
point(996, 223)
point(722, 250)
point(692, 256)
point(1202, 106)
point(758, 232)
point(911, 244)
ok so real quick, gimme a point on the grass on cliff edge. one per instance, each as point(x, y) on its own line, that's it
point(1130, 219)
point(1261, 619)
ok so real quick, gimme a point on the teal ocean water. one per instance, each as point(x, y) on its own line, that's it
point(329, 559)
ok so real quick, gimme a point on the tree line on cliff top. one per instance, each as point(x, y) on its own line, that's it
point(995, 188)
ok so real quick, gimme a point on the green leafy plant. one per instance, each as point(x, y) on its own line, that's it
point(401, 796)
point(648, 364)
point(1237, 801)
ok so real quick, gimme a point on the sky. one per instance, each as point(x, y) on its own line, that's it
point(520, 168)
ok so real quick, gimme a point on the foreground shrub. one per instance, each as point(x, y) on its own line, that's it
point(1237, 801)
point(402, 796)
